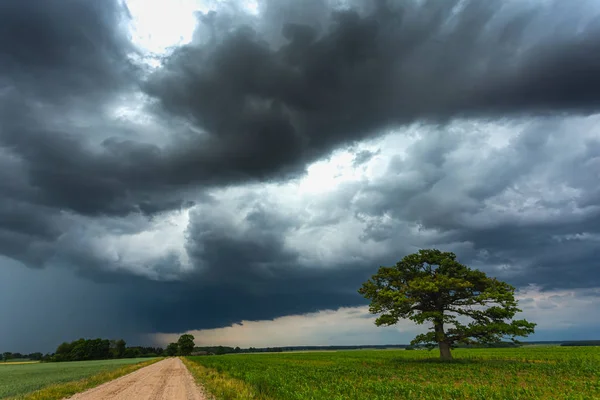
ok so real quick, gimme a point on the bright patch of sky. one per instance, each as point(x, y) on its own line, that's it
point(161, 24)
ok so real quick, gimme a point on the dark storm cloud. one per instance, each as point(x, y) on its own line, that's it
point(267, 109)
point(43, 308)
point(63, 48)
point(61, 61)
point(257, 103)
point(268, 99)
point(194, 305)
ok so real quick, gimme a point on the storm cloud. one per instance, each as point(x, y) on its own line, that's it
point(270, 165)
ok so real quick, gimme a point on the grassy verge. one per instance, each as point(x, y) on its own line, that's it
point(10, 362)
point(66, 389)
point(221, 386)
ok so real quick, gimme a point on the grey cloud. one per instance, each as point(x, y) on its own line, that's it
point(63, 49)
point(521, 205)
point(364, 156)
point(256, 104)
point(267, 110)
point(241, 254)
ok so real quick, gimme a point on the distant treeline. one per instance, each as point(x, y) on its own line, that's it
point(217, 350)
point(582, 343)
point(499, 345)
point(100, 349)
point(89, 349)
point(18, 356)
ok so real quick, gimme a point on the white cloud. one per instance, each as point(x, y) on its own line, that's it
point(560, 309)
point(154, 249)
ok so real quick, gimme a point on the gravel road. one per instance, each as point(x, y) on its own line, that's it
point(167, 379)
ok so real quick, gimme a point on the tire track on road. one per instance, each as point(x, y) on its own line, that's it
point(166, 380)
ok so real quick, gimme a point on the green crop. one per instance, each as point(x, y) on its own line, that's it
point(486, 374)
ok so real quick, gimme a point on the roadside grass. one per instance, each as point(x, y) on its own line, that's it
point(54, 381)
point(18, 362)
point(569, 373)
point(221, 386)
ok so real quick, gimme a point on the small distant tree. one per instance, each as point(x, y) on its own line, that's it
point(186, 344)
point(6, 356)
point(172, 349)
point(431, 286)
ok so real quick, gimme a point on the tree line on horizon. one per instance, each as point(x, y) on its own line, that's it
point(101, 349)
point(7, 355)
point(89, 349)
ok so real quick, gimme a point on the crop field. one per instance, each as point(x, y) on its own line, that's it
point(18, 379)
point(486, 374)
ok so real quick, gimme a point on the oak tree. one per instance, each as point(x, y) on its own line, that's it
point(462, 305)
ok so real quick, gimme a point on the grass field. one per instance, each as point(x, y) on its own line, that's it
point(20, 379)
point(486, 374)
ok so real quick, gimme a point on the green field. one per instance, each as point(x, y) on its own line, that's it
point(486, 374)
point(18, 379)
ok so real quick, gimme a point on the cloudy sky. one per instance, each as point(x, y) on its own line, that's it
point(237, 169)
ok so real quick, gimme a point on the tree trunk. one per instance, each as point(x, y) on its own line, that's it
point(440, 336)
point(445, 353)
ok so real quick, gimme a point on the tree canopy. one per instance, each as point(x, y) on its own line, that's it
point(100, 349)
point(463, 305)
point(172, 349)
point(186, 344)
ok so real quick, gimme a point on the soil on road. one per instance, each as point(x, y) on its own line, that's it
point(167, 379)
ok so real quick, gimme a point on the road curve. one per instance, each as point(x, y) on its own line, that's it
point(167, 379)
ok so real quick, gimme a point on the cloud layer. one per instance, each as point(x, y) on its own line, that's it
point(269, 166)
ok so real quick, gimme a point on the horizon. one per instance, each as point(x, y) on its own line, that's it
point(236, 169)
point(342, 347)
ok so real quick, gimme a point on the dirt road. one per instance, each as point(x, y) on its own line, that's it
point(167, 379)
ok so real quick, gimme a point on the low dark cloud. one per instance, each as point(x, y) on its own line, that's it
point(266, 110)
point(56, 50)
point(246, 107)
